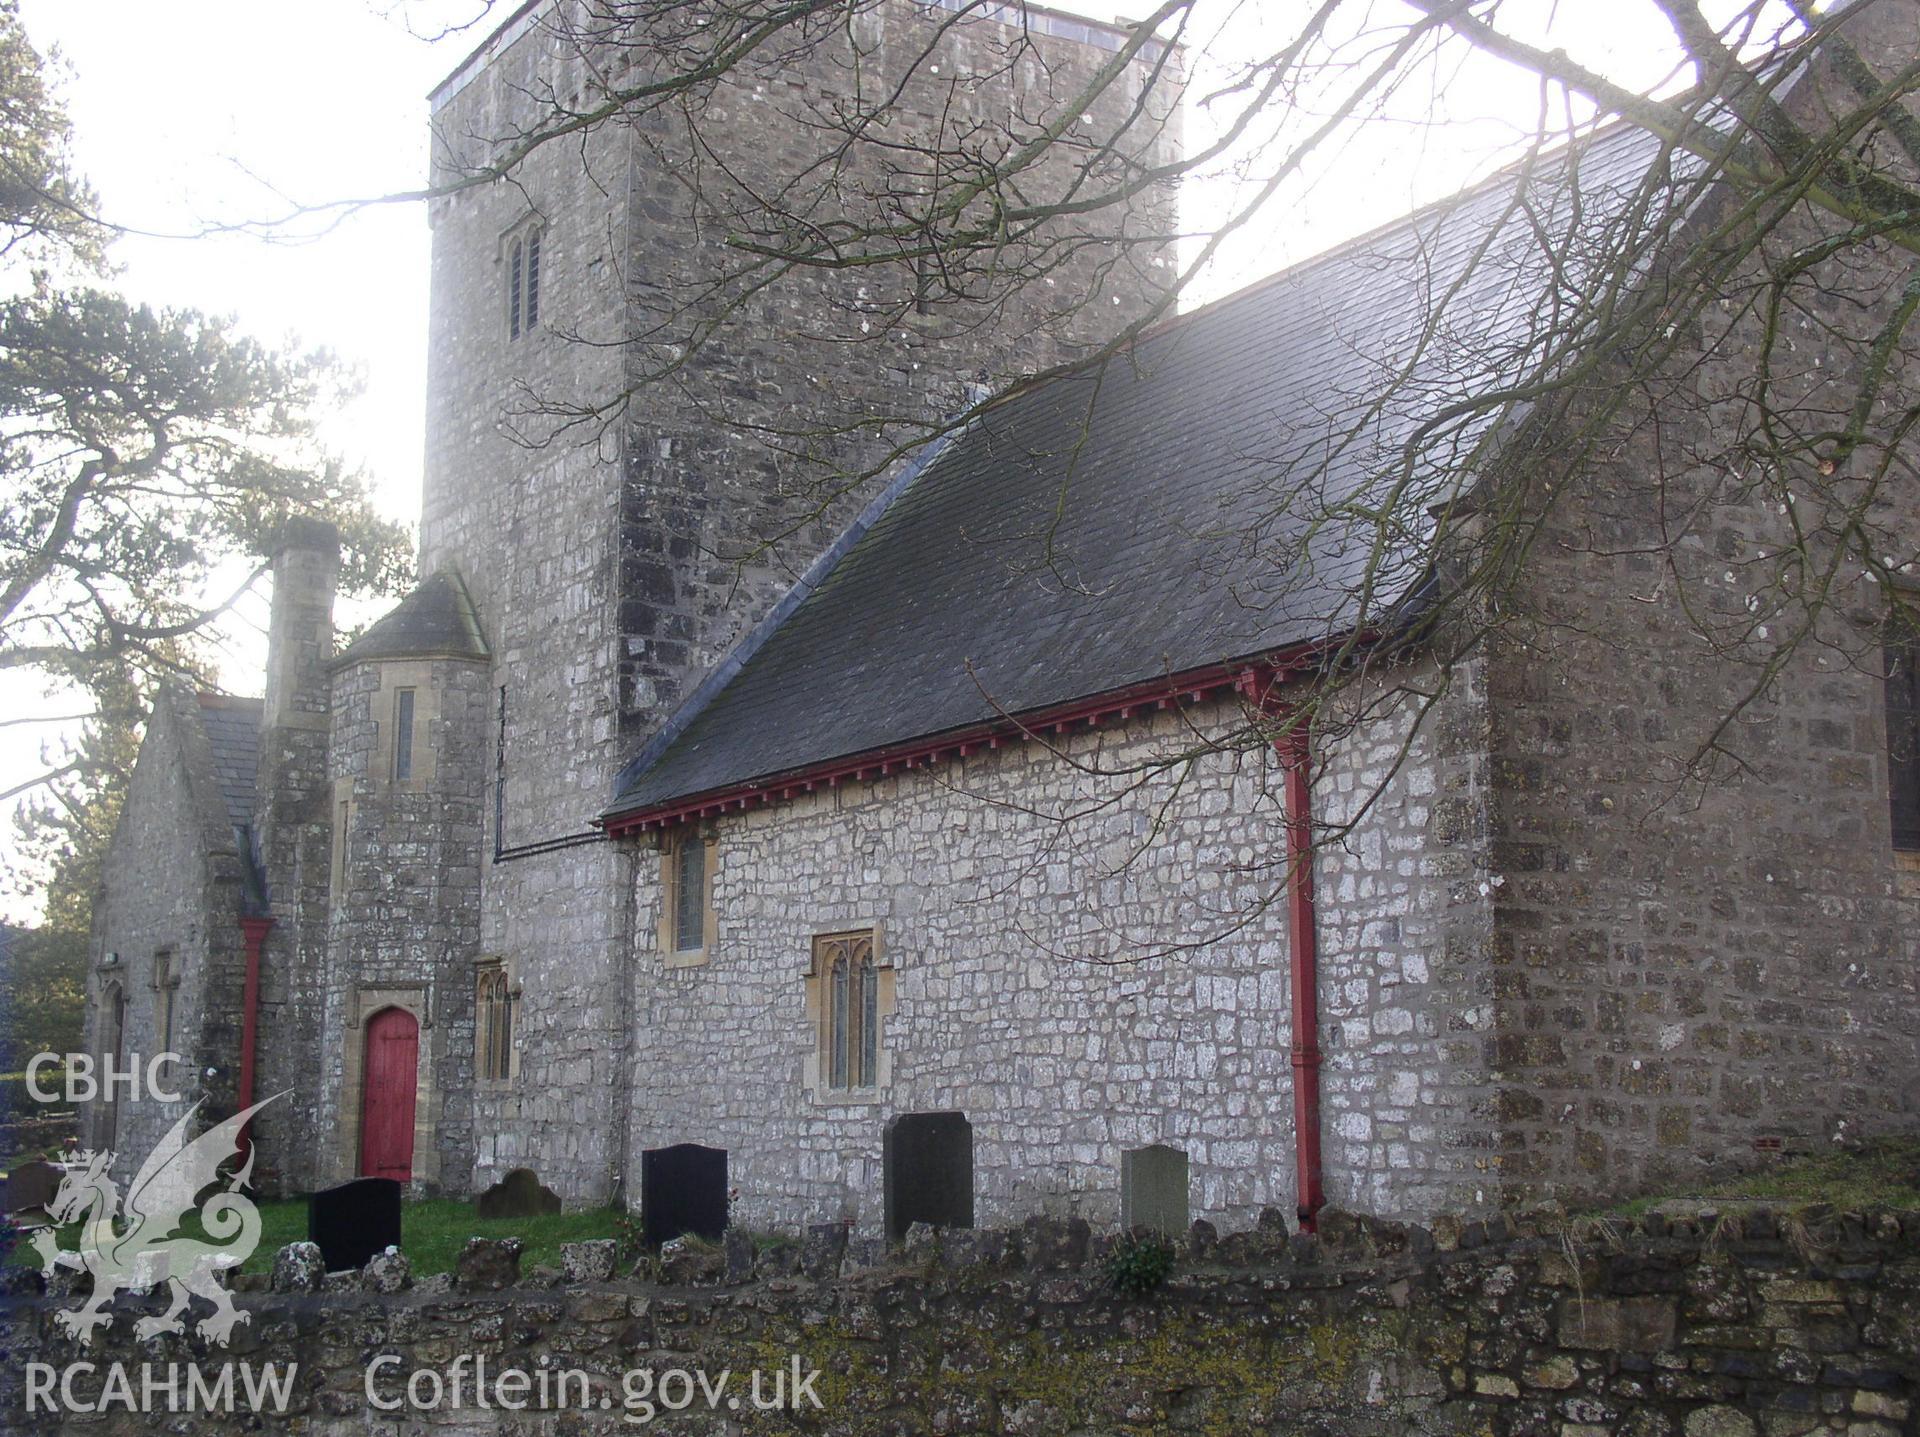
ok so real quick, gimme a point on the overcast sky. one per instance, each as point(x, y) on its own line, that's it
point(189, 113)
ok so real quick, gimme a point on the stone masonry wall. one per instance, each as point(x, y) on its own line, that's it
point(757, 454)
point(176, 887)
point(1705, 939)
point(1404, 893)
point(1732, 1328)
point(594, 554)
point(1086, 986)
point(529, 528)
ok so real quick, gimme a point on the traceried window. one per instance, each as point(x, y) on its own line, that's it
point(523, 282)
point(849, 1009)
point(1903, 727)
point(402, 735)
point(493, 1024)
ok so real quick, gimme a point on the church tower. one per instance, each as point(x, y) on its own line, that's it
point(631, 454)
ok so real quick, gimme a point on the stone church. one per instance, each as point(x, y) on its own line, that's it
point(961, 848)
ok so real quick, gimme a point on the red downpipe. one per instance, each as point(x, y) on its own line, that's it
point(1303, 948)
point(1294, 747)
point(254, 931)
point(1295, 750)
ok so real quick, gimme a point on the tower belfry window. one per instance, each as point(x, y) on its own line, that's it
point(533, 278)
point(523, 283)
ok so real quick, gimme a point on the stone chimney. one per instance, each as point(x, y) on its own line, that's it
point(306, 562)
point(293, 839)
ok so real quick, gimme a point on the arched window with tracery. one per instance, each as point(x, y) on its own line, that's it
point(493, 1024)
point(849, 1009)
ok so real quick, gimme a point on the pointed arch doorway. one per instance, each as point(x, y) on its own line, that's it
point(387, 1095)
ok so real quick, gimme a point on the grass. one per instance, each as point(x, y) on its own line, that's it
point(28, 1128)
point(432, 1233)
point(14, 1158)
point(1882, 1173)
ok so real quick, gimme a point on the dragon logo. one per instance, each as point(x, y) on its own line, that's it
point(145, 1244)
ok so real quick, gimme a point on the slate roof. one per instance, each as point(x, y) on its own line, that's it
point(436, 619)
point(232, 727)
point(1176, 507)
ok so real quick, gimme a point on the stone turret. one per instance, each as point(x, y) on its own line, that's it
point(409, 761)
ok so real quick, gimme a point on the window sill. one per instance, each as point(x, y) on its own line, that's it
point(692, 958)
point(848, 1097)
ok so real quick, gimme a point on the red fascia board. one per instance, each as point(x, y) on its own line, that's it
point(1188, 687)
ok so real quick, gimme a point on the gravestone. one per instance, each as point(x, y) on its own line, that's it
point(31, 1186)
point(683, 1189)
point(518, 1194)
point(352, 1222)
point(929, 1171)
point(1153, 1189)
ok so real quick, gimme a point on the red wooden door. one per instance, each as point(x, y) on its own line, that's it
point(386, 1108)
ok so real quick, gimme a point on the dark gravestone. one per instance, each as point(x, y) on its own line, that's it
point(352, 1222)
point(1153, 1189)
point(929, 1162)
point(683, 1189)
point(31, 1186)
point(518, 1194)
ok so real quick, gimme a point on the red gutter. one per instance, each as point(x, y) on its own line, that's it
point(1189, 687)
point(254, 931)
